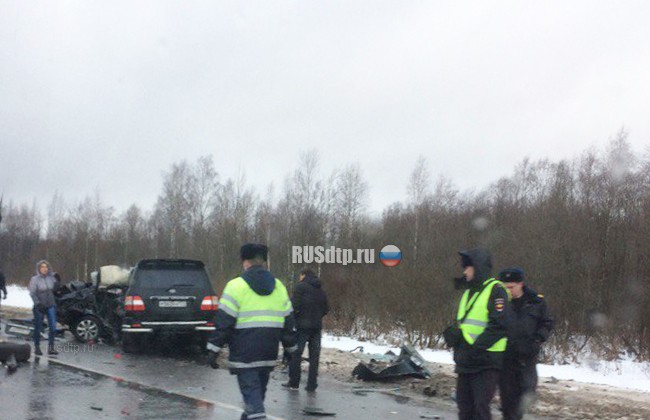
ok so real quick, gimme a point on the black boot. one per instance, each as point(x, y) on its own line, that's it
point(37, 350)
point(52, 351)
point(290, 387)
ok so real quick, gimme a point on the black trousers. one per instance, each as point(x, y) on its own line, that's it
point(474, 392)
point(517, 386)
point(312, 338)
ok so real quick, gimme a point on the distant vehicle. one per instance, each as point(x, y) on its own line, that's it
point(167, 296)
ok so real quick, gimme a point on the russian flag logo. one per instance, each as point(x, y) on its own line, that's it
point(390, 255)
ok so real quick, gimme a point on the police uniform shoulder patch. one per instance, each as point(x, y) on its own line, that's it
point(499, 304)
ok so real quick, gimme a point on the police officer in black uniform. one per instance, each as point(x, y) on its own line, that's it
point(529, 326)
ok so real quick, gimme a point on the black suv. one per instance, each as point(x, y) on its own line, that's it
point(173, 296)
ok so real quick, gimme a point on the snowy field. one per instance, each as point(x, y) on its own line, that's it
point(622, 374)
point(18, 296)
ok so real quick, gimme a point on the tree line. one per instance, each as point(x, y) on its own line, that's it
point(578, 227)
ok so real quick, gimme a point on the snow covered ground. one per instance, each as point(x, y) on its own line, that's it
point(18, 296)
point(622, 374)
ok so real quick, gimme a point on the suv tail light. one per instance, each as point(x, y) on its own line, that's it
point(210, 303)
point(133, 303)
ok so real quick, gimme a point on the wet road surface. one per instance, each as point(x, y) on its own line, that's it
point(49, 391)
point(99, 381)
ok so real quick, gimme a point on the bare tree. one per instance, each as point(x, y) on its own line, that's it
point(351, 203)
point(418, 191)
point(579, 228)
point(173, 208)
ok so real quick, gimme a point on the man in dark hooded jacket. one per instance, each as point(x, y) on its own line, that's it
point(254, 316)
point(480, 341)
point(310, 306)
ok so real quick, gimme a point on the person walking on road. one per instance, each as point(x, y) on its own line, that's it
point(479, 335)
point(529, 327)
point(310, 306)
point(255, 314)
point(41, 290)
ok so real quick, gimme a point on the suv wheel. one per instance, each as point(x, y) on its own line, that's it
point(86, 329)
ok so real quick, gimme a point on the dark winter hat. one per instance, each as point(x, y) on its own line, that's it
point(512, 274)
point(251, 251)
point(465, 259)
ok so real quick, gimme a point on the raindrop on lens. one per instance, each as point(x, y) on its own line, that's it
point(480, 223)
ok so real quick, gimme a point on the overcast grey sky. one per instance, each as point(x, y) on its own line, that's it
point(105, 96)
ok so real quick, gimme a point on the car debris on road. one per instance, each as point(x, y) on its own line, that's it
point(388, 366)
point(316, 411)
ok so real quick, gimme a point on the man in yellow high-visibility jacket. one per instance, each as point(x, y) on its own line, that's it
point(254, 316)
point(482, 318)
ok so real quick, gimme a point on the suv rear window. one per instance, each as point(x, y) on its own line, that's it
point(171, 273)
point(166, 278)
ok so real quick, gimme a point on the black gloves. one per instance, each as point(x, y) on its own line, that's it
point(212, 359)
point(452, 336)
point(460, 283)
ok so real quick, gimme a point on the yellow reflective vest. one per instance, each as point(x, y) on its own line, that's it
point(253, 324)
point(252, 310)
point(477, 319)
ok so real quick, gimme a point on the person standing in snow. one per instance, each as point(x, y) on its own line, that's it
point(3, 285)
point(41, 289)
point(530, 326)
point(479, 335)
point(254, 316)
point(310, 306)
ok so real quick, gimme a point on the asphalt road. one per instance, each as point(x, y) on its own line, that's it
point(171, 382)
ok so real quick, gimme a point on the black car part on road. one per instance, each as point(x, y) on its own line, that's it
point(20, 351)
point(408, 363)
